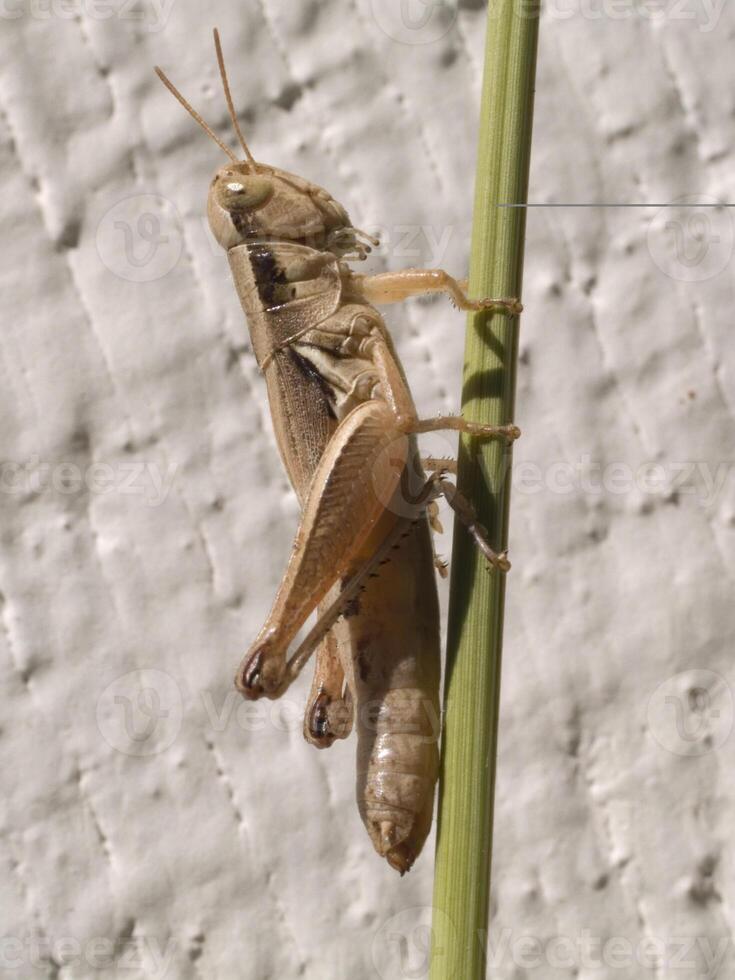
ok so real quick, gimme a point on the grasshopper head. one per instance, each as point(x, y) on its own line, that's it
point(249, 201)
point(252, 202)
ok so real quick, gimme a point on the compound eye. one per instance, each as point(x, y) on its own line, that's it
point(245, 193)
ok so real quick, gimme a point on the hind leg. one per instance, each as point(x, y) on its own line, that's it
point(329, 708)
point(347, 503)
point(464, 510)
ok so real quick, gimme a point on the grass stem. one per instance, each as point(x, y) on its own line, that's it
point(477, 594)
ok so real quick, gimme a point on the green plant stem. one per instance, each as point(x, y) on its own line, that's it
point(475, 634)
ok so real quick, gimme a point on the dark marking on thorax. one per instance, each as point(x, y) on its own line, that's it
point(309, 371)
point(267, 273)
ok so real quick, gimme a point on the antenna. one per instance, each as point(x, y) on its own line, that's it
point(228, 97)
point(192, 112)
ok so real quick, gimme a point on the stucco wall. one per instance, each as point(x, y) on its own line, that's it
point(150, 825)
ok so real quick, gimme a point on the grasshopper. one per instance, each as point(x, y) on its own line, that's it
point(346, 427)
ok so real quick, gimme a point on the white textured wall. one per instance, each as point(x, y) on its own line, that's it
point(216, 843)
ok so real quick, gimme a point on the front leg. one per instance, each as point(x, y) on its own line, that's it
point(394, 287)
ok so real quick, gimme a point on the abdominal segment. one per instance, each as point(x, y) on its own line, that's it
point(395, 644)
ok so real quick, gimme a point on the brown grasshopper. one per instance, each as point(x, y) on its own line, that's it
point(346, 427)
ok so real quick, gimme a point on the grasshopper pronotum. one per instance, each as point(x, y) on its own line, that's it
point(346, 427)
